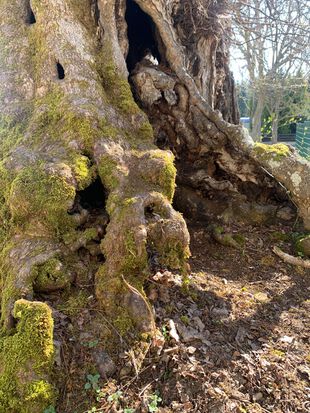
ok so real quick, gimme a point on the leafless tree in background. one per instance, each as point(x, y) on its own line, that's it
point(273, 38)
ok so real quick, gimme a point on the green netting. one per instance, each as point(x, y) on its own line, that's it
point(303, 139)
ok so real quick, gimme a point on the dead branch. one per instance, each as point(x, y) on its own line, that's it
point(290, 259)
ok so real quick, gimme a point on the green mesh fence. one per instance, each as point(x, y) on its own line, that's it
point(303, 139)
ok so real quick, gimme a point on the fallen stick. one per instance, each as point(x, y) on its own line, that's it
point(290, 259)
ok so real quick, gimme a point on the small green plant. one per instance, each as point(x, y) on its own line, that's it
point(100, 395)
point(92, 344)
point(128, 410)
point(185, 284)
point(185, 319)
point(154, 400)
point(115, 397)
point(50, 409)
point(92, 382)
point(92, 410)
point(165, 332)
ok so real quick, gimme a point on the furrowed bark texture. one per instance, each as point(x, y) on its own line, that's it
point(85, 193)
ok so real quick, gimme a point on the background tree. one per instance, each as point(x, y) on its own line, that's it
point(288, 101)
point(273, 38)
point(86, 194)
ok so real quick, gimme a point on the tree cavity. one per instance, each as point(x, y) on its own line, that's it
point(89, 211)
point(31, 18)
point(60, 71)
point(141, 36)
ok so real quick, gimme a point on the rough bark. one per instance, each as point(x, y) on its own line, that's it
point(85, 194)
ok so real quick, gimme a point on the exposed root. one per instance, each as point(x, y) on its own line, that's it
point(147, 305)
point(290, 259)
point(225, 239)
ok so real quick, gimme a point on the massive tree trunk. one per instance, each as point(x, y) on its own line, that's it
point(87, 185)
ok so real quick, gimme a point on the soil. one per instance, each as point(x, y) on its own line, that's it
point(233, 336)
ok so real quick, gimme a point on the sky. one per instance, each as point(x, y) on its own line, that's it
point(237, 65)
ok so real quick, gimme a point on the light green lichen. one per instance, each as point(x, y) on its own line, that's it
point(271, 152)
point(27, 360)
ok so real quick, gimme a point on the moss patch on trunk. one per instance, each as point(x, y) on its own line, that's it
point(26, 360)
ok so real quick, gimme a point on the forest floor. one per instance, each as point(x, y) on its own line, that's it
point(235, 337)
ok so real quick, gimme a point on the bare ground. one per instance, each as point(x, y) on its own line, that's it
point(234, 337)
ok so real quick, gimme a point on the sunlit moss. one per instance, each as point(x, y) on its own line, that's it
point(26, 360)
point(274, 152)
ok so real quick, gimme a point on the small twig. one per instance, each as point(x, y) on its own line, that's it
point(291, 259)
point(129, 383)
point(145, 388)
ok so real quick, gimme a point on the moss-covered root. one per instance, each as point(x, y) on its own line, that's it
point(26, 360)
point(289, 169)
point(142, 227)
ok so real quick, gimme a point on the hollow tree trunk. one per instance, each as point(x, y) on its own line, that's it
point(85, 193)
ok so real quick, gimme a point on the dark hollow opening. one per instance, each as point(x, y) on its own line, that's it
point(30, 19)
point(60, 71)
point(141, 35)
point(94, 196)
point(96, 12)
point(89, 211)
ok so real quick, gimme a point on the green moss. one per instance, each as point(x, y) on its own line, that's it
point(38, 49)
point(108, 130)
point(85, 129)
point(272, 152)
point(134, 264)
point(50, 275)
point(117, 88)
point(280, 236)
point(73, 237)
point(167, 174)
point(145, 132)
point(38, 194)
point(123, 323)
point(11, 134)
point(83, 173)
point(55, 117)
point(74, 304)
point(241, 240)
point(107, 172)
point(112, 202)
point(26, 360)
point(5, 215)
point(174, 255)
